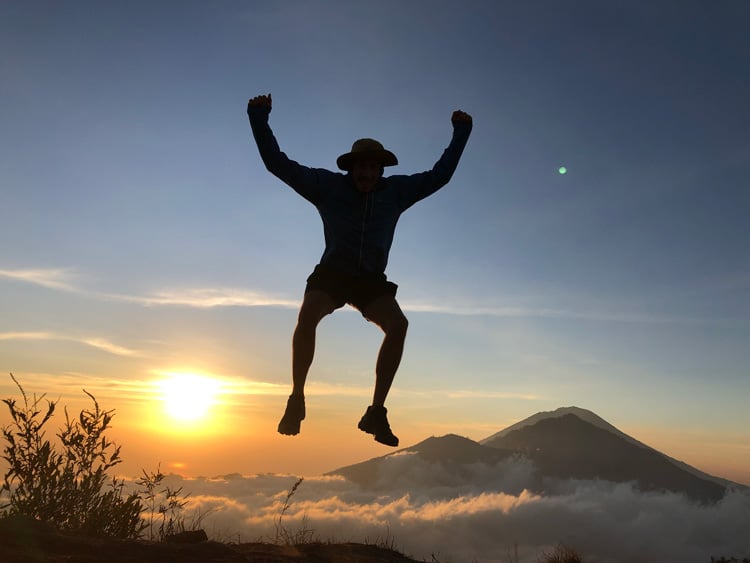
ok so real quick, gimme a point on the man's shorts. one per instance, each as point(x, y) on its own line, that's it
point(358, 291)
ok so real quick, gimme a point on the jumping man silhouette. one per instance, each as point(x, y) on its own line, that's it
point(359, 210)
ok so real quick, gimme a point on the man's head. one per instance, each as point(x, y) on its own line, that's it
point(365, 174)
point(365, 163)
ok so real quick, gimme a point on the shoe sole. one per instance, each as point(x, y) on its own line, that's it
point(289, 427)
point(288, 431)
point(385, 441)
point(382, 439)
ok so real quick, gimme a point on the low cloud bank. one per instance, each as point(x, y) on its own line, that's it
point(606, 522)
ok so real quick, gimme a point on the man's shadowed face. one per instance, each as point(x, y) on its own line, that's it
point(365, 174)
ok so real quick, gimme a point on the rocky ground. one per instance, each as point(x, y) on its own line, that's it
point(23, 541)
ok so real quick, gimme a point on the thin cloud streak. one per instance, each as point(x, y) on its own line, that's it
point(464, 394)
point(71, 385)
point(200, 297)
point(214, 297)
point(56, 278)
point(547, 313)
point(209, 297)
point(106, 346)
point(95, 342)
point(231, 391)
point(28, 336)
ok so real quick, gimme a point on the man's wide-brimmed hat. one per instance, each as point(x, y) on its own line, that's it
point(366, 149)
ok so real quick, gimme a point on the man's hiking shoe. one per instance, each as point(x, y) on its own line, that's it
point(293, 415)
point(375, 422)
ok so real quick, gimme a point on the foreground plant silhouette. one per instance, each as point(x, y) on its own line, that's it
point(562, 554)
point(284, 536)
point(68, 488)
point(168, 503)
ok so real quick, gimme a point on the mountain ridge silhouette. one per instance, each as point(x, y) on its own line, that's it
point(569, 443)
point(596, 420)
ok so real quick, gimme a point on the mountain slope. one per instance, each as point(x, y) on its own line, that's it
point(454, 455)
point(599, 422)
point(567, 447)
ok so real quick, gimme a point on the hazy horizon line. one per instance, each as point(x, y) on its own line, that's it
point(233, 386)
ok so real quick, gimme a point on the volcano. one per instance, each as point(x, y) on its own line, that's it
point(553, 448)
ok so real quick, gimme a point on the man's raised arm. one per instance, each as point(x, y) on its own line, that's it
point(305, 181)
point(419, 186)
point(258, 110)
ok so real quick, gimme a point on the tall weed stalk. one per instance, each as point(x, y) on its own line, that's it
point(285, 536)
point(168, 503)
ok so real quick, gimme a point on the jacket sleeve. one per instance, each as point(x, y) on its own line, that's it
point(418, 186)
point(306, 181)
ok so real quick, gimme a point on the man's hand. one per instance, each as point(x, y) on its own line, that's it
point(260, 101)
point(460, 117)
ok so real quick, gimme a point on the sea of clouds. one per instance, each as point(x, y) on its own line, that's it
point(473, 513)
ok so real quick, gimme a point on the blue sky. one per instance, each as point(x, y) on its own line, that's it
point(143, 234)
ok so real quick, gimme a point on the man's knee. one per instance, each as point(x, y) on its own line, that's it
point(397, 325)
point(388, 316)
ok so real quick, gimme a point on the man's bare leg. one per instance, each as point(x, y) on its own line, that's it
point(315, 305)
point(386, 313)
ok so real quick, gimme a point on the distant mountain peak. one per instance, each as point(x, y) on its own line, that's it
point(569, 447)
point(595, 420)
point(453, 447)
point(583, 414)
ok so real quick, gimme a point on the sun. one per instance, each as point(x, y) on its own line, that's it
point(188, 397)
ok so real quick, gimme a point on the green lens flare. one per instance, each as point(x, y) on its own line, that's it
point(562, 170)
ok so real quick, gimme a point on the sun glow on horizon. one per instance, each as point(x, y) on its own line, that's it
point(186, 403)
point(188, 397)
